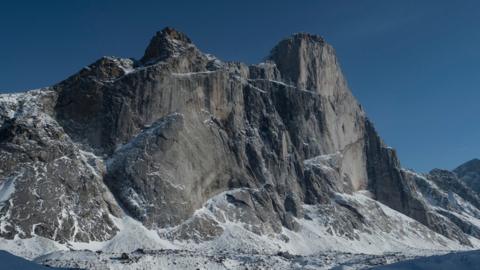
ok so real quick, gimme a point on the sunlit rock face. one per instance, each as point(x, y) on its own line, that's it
point(183, 126)
point(310, 64)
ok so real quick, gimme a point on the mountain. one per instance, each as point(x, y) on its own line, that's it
point(470, 174)
point(182, 151)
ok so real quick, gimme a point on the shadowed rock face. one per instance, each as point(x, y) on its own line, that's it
point(49, 186)
point(162, 137)
point(414, 195)
point(310, 64)
point(166, 44)
point(469, 173)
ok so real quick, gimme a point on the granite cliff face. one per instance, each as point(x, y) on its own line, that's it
point(188, 145)
point(183, 127)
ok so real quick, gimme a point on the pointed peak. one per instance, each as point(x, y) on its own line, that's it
point(173, 34)
point(165, 44)
point(307, 37)
point(473, 162)
point(302, 58)
point(296, 40)
point(472, 165)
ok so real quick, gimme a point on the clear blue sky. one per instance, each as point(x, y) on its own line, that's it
point(414, 65)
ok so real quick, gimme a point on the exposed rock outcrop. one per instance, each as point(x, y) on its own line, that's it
point(49, 186)
point(469, 173)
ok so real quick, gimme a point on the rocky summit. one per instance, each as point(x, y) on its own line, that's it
point(180, 151)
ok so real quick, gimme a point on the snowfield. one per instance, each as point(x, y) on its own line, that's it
point(315, 246)
point(180, 259)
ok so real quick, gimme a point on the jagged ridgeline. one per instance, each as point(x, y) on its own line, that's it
point(190, 151)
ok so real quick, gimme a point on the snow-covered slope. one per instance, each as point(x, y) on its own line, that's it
point(318, 244)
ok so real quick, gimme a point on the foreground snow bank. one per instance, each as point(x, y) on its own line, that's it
point(183, 259)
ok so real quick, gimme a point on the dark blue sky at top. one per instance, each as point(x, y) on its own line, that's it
point(414, 65)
